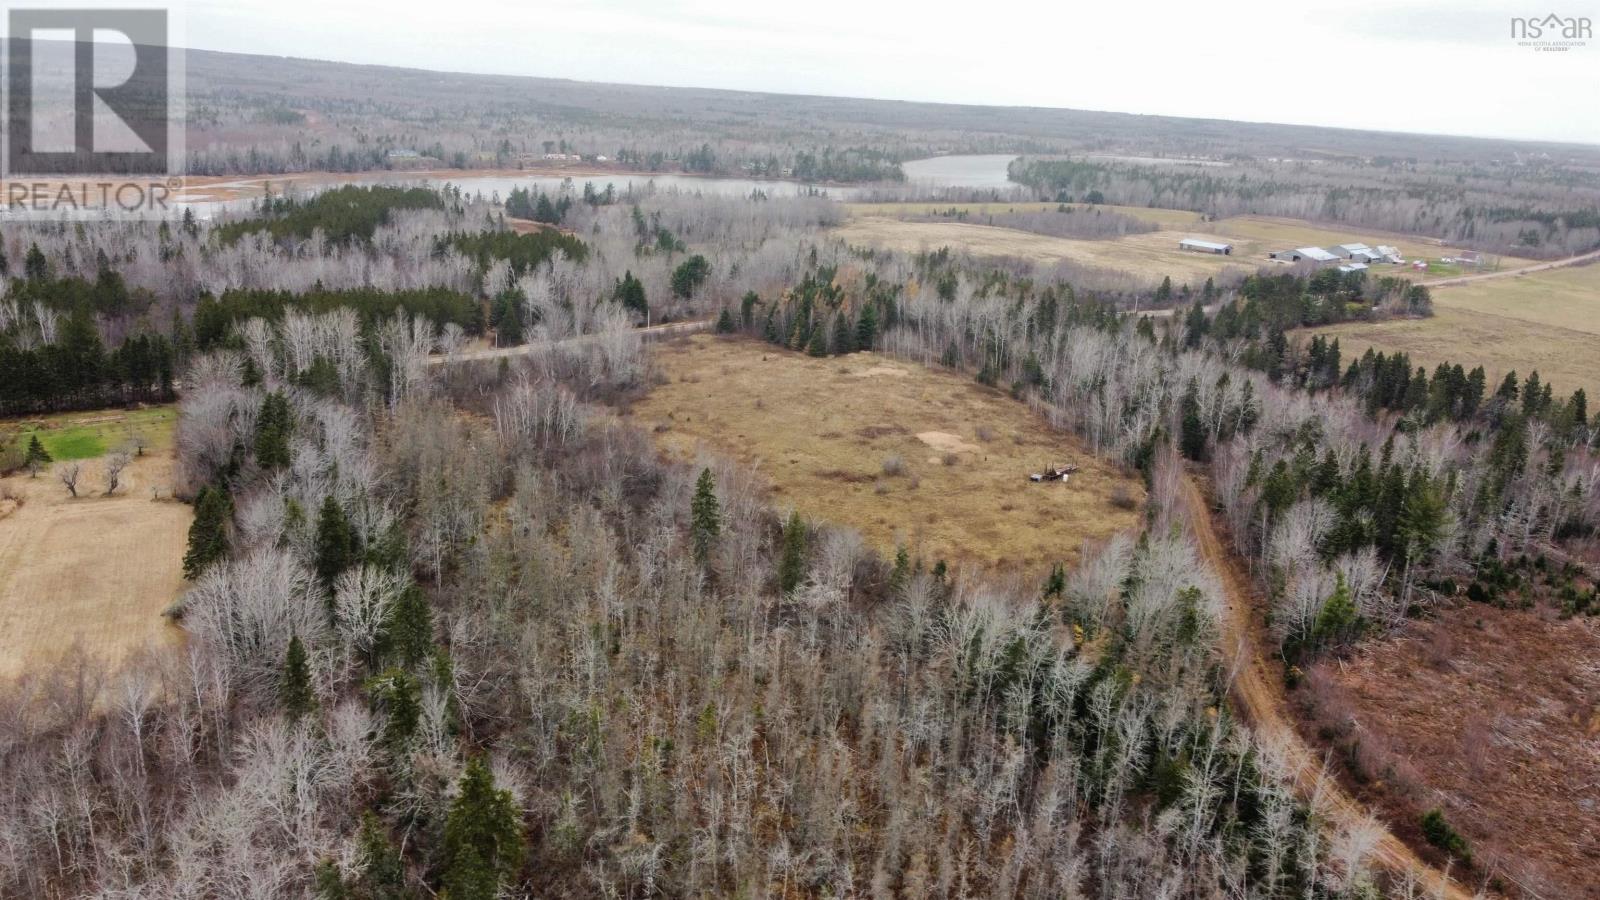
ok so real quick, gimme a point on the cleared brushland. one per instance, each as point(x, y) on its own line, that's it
point(91, 574)
point(1491, 715)
point(909, 456)
point(1549, 321)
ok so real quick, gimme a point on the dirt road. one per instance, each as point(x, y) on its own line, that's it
point(654, 332)
point(1578, 260)
point(1260, 698)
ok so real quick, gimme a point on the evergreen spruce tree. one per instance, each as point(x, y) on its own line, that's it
point(410, 631)
point(336, 542)
point(1193, 437)
point(705, 517)
point(383, 872)
point(818, 344)
point(747, 308)
point(273, 427)
point(867, 327)
point(901, 573)
point(37, 457)
point(296, 692)
point(208, 533)
point(725, 322)
point(792, 564)
point(844, 336)
point(630, 293)
point(482, 837)
point(34, 266)
point(398, 697)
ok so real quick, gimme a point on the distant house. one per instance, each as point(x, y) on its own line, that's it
point(1390, 254)
point(1199, 246)
point(1304, 254)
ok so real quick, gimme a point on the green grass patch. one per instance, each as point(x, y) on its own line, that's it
point(70, 443)
point(86, 435)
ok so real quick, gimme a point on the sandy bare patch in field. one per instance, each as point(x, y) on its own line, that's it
point(946, 442)
point(821, 434)
point(882, 372)
point(1492, 715)
point(93, 573)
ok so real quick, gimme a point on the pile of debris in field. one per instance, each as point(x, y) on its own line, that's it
point(1054, 473)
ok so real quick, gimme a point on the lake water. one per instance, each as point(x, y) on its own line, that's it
point(984, 171)
point(977, 171)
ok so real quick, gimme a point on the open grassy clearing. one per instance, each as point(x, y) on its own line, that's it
point(1147, 257)
point(1560, 298)
point(91, 574)
point(909, 456)
point(1264, 234)
point(1492, 715)
point(86, 435)
point(1563, 357)
point(1162, 218)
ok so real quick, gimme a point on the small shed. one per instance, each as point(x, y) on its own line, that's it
point(1199, 246)
point(1353, 267)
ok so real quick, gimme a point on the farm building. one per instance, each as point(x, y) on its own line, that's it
point(1390, 254)
point(1353, 267)
point(1349, 251)
point(1304, 254)
point(1200, 246)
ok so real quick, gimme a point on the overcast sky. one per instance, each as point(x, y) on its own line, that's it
point(1439, 67)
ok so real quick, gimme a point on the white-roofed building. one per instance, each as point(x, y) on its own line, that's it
point(1305, 254)
point(1199, 246)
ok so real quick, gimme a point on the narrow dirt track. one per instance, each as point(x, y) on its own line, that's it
point(654, 332)
point(1578, 260)
point(1260, 699)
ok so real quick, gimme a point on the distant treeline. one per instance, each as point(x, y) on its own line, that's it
point(352, 212)
point(1541, 217)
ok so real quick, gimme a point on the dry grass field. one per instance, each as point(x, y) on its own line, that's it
point(1549, 321)
point(1492, 715)
point(966, 451)
point(91, 574)
point(1147, 257)
point(1161, 218)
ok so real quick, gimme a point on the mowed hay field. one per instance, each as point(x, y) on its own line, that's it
point(1549, 321)
point(1146, 257)
point(91, 574)
point(820, 430)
